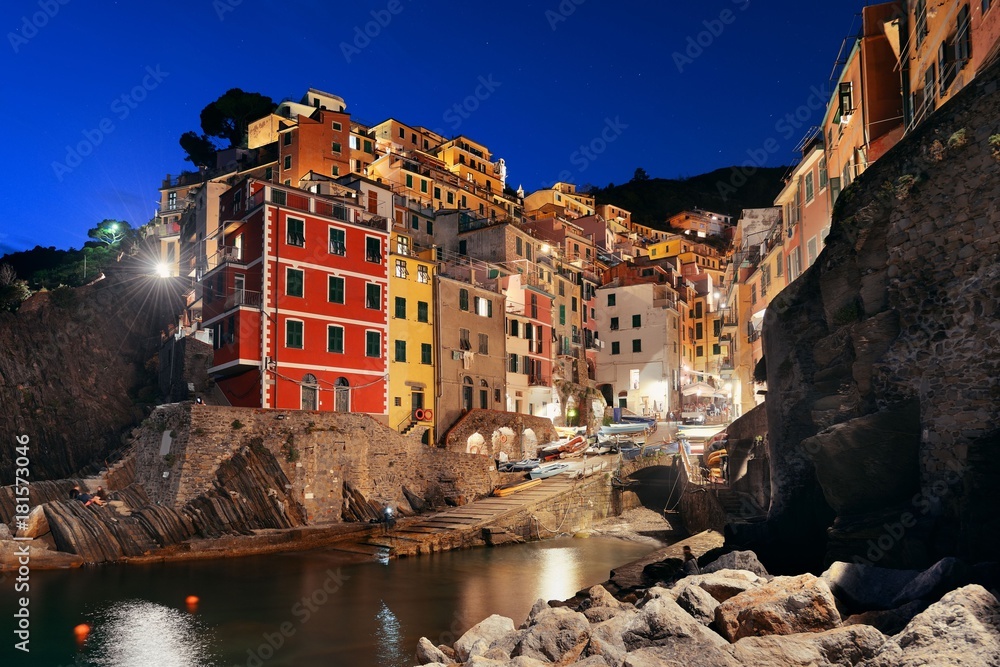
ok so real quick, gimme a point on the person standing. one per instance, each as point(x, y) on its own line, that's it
point(690, 562)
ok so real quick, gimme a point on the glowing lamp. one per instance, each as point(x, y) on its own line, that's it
point(80, 632)
point(162, 270)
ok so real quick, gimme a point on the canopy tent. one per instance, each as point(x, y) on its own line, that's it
point(700, 388)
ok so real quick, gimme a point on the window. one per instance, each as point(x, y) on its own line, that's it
point(986, 6)
point(373, 296)
point(637, 345)
point(425, 353)
point(373, 249)
point(463, 340)
point(422, 274)
point(401, 351)
point(294, 282)
point(463, 299)
point(268, 173)
point(484, 307)
point(288, 162)
point(614, 324)
point(846, 98)
point(437, 193)
point(616, 347)
point(451, 197)
point(963, 43)
point(402, 133)
point(463, 247)
point(401, 271)
point(517, 246)
point(335, 170)
point(336, 126)
point(336, 147)
point(573, 305)
point(293, 334)
point(637, 321)
point(414, 222)
point(335, 339)
point(401, 307)
point(699, 351)
point(611, 299)
point(699, 330)
point(409, 180)
point(287, 138)
point(422, 311)
point(930, 88)
point(515, 327)
point(562, 314)
point(753, 294)
point(373, 344)
point(920, 20)
point(423, 185)
point(716, 349)
point(172, 201)
point(354, 142)
point(822, 173)
point(296, 232)
point(562, 288)
point(810, 193)
point(812, 251)
point(335, 289)
point(484, 343)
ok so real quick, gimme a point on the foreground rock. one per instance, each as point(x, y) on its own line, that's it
point(482, 636)
point(963, 628)
point(866, 587)
point(784, 606)
point(840, 646)
point(737, 560)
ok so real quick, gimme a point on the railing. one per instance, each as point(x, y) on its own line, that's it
point(243, 298)
point(538, 381)
point(300, 201)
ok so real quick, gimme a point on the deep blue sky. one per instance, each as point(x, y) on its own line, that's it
point(556, 83)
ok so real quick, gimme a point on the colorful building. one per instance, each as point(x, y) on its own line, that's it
point(297, 300)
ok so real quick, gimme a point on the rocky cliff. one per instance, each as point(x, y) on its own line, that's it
point(73, 367)
point(883, 359)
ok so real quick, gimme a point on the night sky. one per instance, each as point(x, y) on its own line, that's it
point(678, 88)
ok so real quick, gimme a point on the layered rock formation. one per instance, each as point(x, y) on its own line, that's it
point(883, 359)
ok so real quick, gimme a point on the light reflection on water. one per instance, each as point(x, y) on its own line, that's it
point(136, 632)
point(297, 609)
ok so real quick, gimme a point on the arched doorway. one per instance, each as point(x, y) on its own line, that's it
point(623, 399)
point(484, 394)
point(342, 395)
point(310, 392)
point(608, 392)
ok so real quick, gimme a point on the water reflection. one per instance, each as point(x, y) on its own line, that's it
point(389, 639)
point(136, 632)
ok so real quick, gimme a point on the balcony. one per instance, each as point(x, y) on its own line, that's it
point(243, 297)
point(538, 381)
point(225, 255)
point(308, 203)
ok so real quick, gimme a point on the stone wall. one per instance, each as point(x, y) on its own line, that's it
point(499, 431)
point(318, 452)
point(882, 359)
point(181, 362)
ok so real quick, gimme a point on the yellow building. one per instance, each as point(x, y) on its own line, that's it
point(411, 336)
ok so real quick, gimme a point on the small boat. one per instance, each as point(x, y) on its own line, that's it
point(630, 451)
point(550, 470)
point(561, 447)
point(598, 449)
point(524, 465)
point(622, 429)
point(588, 470)
point(574, 447)
point(514, 487)
point(636, 419)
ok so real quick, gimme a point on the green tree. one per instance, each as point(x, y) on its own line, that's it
point(640, 175)
point(110, 232)
point(12, 290)
point(199, 148)
point(229, 116)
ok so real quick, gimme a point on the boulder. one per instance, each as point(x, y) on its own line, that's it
point(963, 628)
point(840, 647)
point(863, 587)
point(737, 560)
point(888, 621)
point(600, 605)
point(481, 637)
point(593, 661)
point(36, 524)
point(525, 661)
point(427, 653)
point(696, 601)
point(539, 605)
point(723, 584)
point(784, 606)
point(945, 575)
point(679, 656)
point(554, 633)
point(662, 622)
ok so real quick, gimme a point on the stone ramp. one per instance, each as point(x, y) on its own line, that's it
point(454, 527)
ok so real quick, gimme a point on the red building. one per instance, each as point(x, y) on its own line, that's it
point(296, 298)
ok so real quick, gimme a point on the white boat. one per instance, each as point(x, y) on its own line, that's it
point(622, 429)
point(699, 432)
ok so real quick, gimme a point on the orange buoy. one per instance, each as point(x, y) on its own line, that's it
point(80, 632)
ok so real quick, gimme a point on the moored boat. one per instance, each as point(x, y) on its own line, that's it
point(550, 470)
point(626, 428)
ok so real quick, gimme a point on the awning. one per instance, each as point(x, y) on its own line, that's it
point(700, 388)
